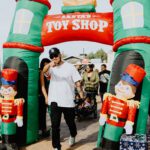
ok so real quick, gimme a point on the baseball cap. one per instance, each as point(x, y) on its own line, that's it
point(54, 52)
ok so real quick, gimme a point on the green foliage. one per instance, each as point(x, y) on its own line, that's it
point(91, 55)
point(99, 54)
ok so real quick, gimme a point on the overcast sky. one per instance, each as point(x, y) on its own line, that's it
point(7, 9)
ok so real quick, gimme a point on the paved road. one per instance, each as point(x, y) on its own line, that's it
point(85, 140)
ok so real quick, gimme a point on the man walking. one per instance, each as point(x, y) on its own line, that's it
point(64, 77)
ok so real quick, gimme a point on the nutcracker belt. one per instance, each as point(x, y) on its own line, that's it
point(115, 118)
point(7, 116)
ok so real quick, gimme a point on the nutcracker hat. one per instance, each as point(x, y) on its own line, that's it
point(9, 76)
point(133, 74)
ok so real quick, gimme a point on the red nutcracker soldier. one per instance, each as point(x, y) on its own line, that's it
point(11, 109)
point(118, 111)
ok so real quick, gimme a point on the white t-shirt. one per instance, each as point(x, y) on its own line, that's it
point(62, 85)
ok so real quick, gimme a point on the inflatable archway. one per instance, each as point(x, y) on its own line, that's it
point(32, 29)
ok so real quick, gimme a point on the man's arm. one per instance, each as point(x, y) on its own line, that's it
point(46, 67)
point(79, 89)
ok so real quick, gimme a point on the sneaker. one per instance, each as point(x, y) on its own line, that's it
point(71, 141)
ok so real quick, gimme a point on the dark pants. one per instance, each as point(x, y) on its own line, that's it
point(69, 115)
point(42, 113)
point(101, 96)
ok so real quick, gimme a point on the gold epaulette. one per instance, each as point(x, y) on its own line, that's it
point(106, 95)
point(133, 103)
point(19, 101)
point(103, 115)
point(1, 99)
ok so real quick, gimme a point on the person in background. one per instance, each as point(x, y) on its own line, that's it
point(90, 79)
point(78, 66)
point(61, 95)
point(104, 76)
point(43, 99)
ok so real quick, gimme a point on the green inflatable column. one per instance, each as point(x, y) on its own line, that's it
point(132, 46)
point(132, 35)
point(22, 51)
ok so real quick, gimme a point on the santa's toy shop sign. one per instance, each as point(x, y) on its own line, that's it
point(97, 27)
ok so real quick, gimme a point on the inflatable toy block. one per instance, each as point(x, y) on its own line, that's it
point(79, 8)
point(79, 2)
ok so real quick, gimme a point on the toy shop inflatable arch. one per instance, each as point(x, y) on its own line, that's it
point(31, 30)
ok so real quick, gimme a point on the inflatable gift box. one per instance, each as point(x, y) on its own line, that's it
point(133, 142)
point(148, 140)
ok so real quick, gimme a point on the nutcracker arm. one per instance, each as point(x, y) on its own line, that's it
point(19, 119)
point(104, 108)
point(20, 103)
point(133, 106)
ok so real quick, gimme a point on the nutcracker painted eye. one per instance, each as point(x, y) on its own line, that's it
point(9, 89)
point(120, 84)
point(2, 89)
point(127, 88)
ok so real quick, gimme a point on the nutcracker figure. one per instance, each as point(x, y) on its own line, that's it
point(11, 109)
point(118, 111)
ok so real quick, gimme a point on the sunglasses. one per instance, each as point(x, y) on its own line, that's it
point(53, 56)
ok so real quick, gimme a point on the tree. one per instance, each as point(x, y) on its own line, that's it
point(99, 54)
point(91, 55)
